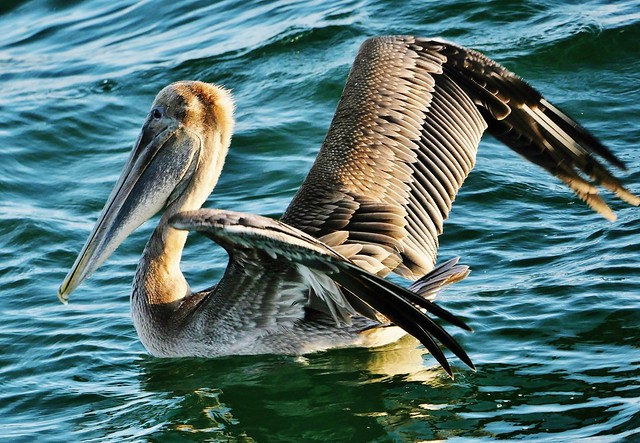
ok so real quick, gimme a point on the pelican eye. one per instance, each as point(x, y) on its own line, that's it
point(156, 113)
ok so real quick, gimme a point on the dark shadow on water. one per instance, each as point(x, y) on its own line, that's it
point(373, 395)
point(255, 398)
point(342, 395)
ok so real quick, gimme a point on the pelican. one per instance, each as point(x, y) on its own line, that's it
point(403, 139)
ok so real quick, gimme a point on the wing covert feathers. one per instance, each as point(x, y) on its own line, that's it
point(404, 138)
point(238, 232)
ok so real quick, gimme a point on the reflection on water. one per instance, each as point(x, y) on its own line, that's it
point(392, 390)
point(224, 396)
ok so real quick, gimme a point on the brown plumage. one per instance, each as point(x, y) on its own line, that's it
point(403, 140)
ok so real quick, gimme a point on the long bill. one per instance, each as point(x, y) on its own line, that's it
point(158, 169)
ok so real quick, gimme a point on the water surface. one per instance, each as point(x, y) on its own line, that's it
point(554, 292)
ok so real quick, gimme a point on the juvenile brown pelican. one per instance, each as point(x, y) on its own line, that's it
point(403, 139)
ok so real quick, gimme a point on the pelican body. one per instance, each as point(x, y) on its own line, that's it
point(403, 139)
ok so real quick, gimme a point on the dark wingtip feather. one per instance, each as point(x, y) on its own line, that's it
point(396, 303)
point(433, 328)
point(581, 134)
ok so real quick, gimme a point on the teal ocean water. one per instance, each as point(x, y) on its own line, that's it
point(554, 293)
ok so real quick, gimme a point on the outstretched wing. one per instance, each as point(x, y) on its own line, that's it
point(269, 245)
point(404, 138)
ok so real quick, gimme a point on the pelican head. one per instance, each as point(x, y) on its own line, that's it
point(174, 164)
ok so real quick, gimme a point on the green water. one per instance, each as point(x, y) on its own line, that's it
point(554, 296)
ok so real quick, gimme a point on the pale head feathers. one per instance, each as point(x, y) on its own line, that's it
point(199, 105)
